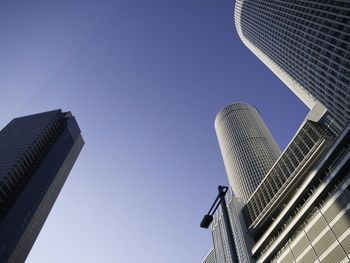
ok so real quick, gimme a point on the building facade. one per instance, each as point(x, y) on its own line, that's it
point(243, 242)
point(308, 220)
point(37, 153)
point(247, 147)
point(210, 258)
point(306, 43)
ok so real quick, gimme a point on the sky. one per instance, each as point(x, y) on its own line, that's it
point(145, 80)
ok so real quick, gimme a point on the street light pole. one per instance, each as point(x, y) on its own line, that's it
point(208, 218)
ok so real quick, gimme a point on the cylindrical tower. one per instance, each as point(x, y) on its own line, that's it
point(246, 145)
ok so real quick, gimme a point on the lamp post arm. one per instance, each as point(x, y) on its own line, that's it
point(215, 203)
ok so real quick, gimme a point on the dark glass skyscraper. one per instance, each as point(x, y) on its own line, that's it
point(37, 153)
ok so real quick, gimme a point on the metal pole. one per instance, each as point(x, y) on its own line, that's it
point(229, 232)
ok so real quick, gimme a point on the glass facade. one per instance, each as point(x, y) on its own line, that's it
point(311, 140)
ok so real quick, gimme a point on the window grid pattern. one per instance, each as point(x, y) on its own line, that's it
point(285, 169)
point(248, 148)
point(307, 39)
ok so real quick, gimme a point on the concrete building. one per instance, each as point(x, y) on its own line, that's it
point(37, 153)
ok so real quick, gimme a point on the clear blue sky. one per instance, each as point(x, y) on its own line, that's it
point(145, 80)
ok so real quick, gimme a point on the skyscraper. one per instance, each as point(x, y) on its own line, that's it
point(247, 147)
point(300, 211)
point(306, 43)
point(37, 153)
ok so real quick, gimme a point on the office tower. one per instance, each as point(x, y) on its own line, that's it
point(306, 43)
point(37, 153)
point(248, 148)
point(210, 258)
point(300, 211)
